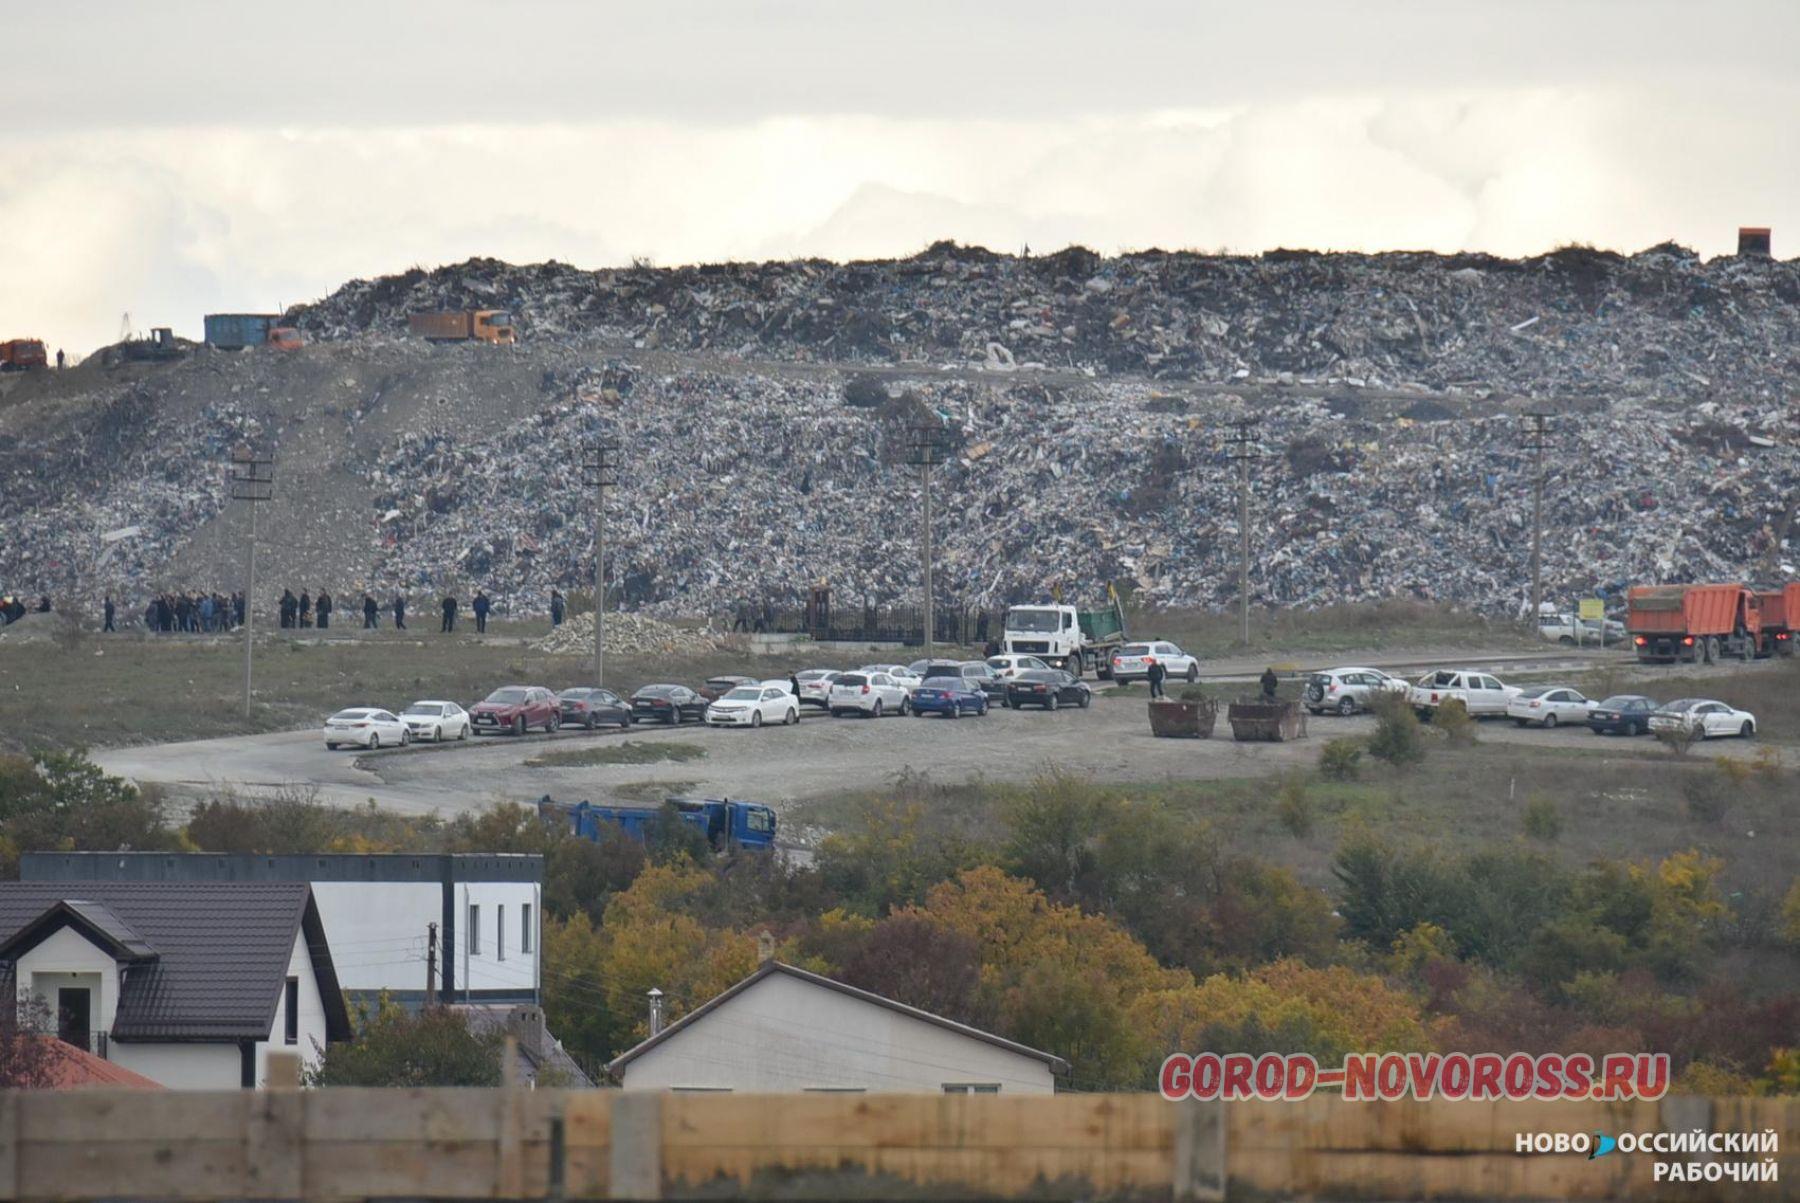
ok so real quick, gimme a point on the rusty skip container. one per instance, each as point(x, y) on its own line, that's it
point(464, 325)
point(1693, 622)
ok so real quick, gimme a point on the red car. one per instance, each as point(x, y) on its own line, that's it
point(516, 709)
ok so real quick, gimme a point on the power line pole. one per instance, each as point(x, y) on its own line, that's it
point(252, 480)
point(600, 472)
point(1243, 449)
point(1536, 440)
point(431, 955)
point(927, 451)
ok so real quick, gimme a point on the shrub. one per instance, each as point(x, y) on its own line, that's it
point(1677, 739)
point(1708, 797)
point(1543, 821)
point(1341, 759)
point(1733, 772)
point(1452, 718)
point(1396, 739)
point(1295, 808)
point(1192, 693)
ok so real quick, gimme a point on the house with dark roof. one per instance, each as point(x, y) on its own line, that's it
point(783, 1029)
point(188, 985)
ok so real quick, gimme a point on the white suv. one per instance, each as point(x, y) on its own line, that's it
point(1131, 662)
point(873, 694)
point(1347, 690)
point(1480, 693)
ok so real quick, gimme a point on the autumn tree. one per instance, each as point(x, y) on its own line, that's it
point(911, 959)
point(397, 1047)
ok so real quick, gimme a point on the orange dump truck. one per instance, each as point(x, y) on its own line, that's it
point(22, 354)
point(1693, 622)
point(464, 325)
point(1780, 620)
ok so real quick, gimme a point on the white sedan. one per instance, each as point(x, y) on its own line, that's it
point(1009, 666)
point(898, 674)
point(754, 705)
point(1548, 706)
point(366, 727)
point(1131, 662)
point(436, 721)
point(1703, 717)
point(815, 685)
point(873, 694)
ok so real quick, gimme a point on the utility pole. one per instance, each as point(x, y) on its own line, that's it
point(1535, 441)
point(251, 480)
point(599, 472)
point(927, 451)
point(1243, 449)
point(431, 964)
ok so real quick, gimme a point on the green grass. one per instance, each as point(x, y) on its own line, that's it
point(1626, 804)
point(628, 752)
point(95, 690)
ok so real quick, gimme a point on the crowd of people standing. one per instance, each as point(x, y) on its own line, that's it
point(184, 612)
point(207, 612)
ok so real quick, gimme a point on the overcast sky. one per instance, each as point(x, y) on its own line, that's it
point(169, 159)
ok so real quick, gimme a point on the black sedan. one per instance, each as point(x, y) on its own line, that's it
point(671, 704)
point(1049, 688)
point(1622, 714)
point(590, 708)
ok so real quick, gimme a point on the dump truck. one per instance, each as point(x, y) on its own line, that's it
point(1694, 623)
point(726, 822)
point(464, 325)
point(22, 354)
point(1780, 619)
point(1066, 637)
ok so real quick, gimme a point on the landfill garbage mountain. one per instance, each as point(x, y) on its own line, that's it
point(764, 412)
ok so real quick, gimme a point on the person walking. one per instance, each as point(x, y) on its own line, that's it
point(1155, 674)
point(480, 605)
point(557, 608)
point(323, 608)
point(449, 614)
point(370, 610)
point(1270, 683)
point(108, 610)
point(399, 611)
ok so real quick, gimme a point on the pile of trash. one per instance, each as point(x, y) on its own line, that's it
point(626, 633)
point(1576, 322)
point(745, 488)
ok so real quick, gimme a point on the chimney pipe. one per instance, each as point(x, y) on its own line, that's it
point(656, 1011)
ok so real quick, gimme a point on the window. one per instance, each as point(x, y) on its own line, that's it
point(971, 1088)
point(834, 1090)
point(291, 1004)
point(474, 930)
point(525, 928)
point(500, 933)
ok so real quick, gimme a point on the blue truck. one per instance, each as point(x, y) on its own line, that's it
point(726, 823)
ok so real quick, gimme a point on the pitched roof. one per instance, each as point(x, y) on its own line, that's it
point(219, 952)
point(92, 919)
point(73, 1068)
point(768, 968)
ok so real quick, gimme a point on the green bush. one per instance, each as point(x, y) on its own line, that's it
point(1295, 807)
point(1452, 718)
point(1708, 797)
point(1397, 739)
point(1341, 759)
point(1543, 821)
point(1192, 693)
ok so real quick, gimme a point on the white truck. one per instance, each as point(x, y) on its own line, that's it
point(1066, 637)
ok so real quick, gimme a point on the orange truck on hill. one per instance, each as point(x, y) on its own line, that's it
point(464, 325)
point(1696, 623)
point(22, 354)
point(1780, 619)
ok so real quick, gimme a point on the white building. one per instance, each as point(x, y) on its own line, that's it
point(783, 1029)
point(381, 913)
point(189, 985)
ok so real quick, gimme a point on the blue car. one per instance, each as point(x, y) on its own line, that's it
point(951, 697)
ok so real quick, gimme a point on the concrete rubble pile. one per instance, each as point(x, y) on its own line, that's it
point(1576, 322)
point(746, 487)
point(625, 633)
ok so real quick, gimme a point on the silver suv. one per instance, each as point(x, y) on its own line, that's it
point(1348, 690)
